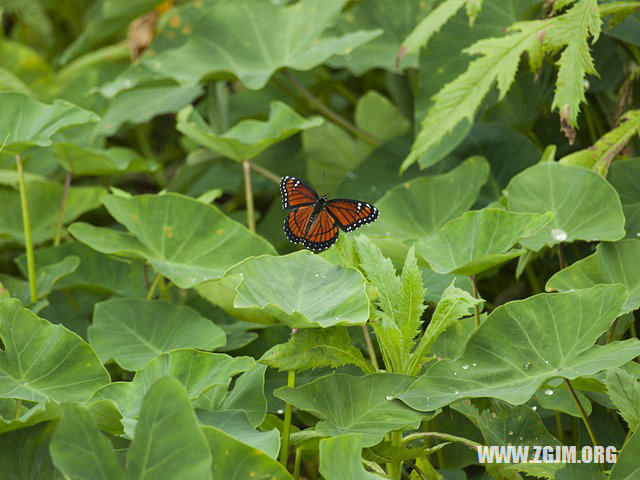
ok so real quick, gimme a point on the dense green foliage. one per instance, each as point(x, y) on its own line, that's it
point(155, 323)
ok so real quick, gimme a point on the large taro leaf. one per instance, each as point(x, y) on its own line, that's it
point(417, 208)
point(185, 240)
point(301, 290)
point(523, 344)
point(246, 139)
point(25, 122)
point(168, 443)
point(624, 175)
point(80, 450)
point(584, 205)
point(627, 466)
point(612, 263)
point(234, 459)
point(24, 453)
point(214, 39)
point(348, 404)
point(42, 361)
point(341, 457)
point(40, 412)
point(83, 161)
point(479, 240)
point(132, 331)
point(44, 199)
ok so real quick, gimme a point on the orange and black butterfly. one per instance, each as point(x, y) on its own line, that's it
point(314, 220)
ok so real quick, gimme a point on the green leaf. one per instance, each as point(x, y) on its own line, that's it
point(584, 205)
point(168, 443)
point(624, 391)
point(612, 263)
point(234, 459)
point(479, 240)
point(523, 344)
point(315, 348)
point(248, 138)
point(283, 37)
point(623, 175)
point(24, 454)
point(185, 240)
point(626, 466)
point(42, 361)
point(40, 412)
point(347, 404)
point(298, 297)
point(441, 198)
point(340, 458)
point(85, 161)
point(560, 399)
point(80, 450)
point(132, 331)
point(27, 122)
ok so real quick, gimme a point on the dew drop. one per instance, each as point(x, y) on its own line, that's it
point(586, 84)
point(548, 391)
point(527, 365)
point(534, 408)
point(455, 373)
point(465, 367)
point(510, 432)
point(474, 364)
point(389, 397)
point(280, 411)
point(456, 392)
point(317, 275)
point(373, 188)
point(559, 235)
point(352, 176)
point(127, 83)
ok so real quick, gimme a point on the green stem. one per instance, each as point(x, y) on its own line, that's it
point(443, 436)
point(534, 283)
point(561, 261)
point(153, 286)
point(26, 225)
point(560, 432)
point(248, 192)
point(147, 151)
point(612, 331)
point(370, 349)
point(296, 464)
point(265, 173)
point(331, 114)
point(112, 53)
point(63, 204)
point(583, 414)
point(286, 428)
point(394, 469)
point(18, 408)
point(476, 308)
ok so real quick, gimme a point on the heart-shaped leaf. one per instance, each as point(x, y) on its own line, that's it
point(340, 458)
point(347, 404)
point(183, 239)
point(612, 263)
point(82, 161)
point(479, 240)
point(584, 205)
point(132, 331)
point(309, 291)
point(248, 138)
point(42, 361)
point(623, 175)
point(524, 343)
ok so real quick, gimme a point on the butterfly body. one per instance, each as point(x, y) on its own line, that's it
point(315, 221)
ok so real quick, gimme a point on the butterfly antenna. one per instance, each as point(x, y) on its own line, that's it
point(336, 188)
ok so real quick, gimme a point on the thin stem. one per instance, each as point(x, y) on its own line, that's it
point(248, 192)
point(583, 414)
point(26, 225)
point(443, 436)
point(265, 173)
point(612, 331)
point(561, 260)
point(370, 349)
point(476, 308)
point(394, 469)
point(329, 113)
point(534, 283)
point(153, 286)
point(439, 453)
point(296, 464)
point(18, 408)
point(63, 204)
point(286, 428)
point(560, 432)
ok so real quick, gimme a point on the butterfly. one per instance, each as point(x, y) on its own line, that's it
point(315, 222)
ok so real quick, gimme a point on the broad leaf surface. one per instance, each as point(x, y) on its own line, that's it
point(340, 458)
point(524, 343)
point(627, 466)
point(24, 453)
point(133, 331)
point(42, 361)
point(84, 161)
point(624, 175)
point(40, 412)
point(294, 289)
point(611, 263)
point(561, 400)
point(183, 239)
point(479, 240)
point(575, 196)
point(347, 404)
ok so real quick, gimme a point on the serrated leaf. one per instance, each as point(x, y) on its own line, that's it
point(624, 391)
point(626, 466)
point(340, 458)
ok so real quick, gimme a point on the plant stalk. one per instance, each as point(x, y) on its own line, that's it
point(26, 225)
point(612, 331)
point(296, 464)
point(583, 414)
point(18, 408)
point(63, 204)
point(444, 436)
point(560, 432)
point(561, 261)
point(394, 469)
point(476, 308)
point(534, 283)
point(154, 285)
point(265, 173)
point(370, 349)
point(251, 221)
point(286, 428)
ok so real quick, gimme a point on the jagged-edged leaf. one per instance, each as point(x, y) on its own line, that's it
point(479, 240)
point(524, 343)
point(185, 240)
point(314, 348)
point(624, 391)
point(347, 404)
point(340, 458)
point(40, 412)
point(132, 331)
point(611, 263)
point(584, 205)
point(168, 443)
point(626, 466)
point(309, 291)
point(80, 450)
point(283, 35)
point(623, 175)
point(83, 161)
point(234, 459)
point(44, 199)
point(27, 122)
point(440, 198)
point(42, 361)
point(246, 139)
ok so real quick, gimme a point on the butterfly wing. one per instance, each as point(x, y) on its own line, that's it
point(296, 193)
point(351, 214)
point(322, 234)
